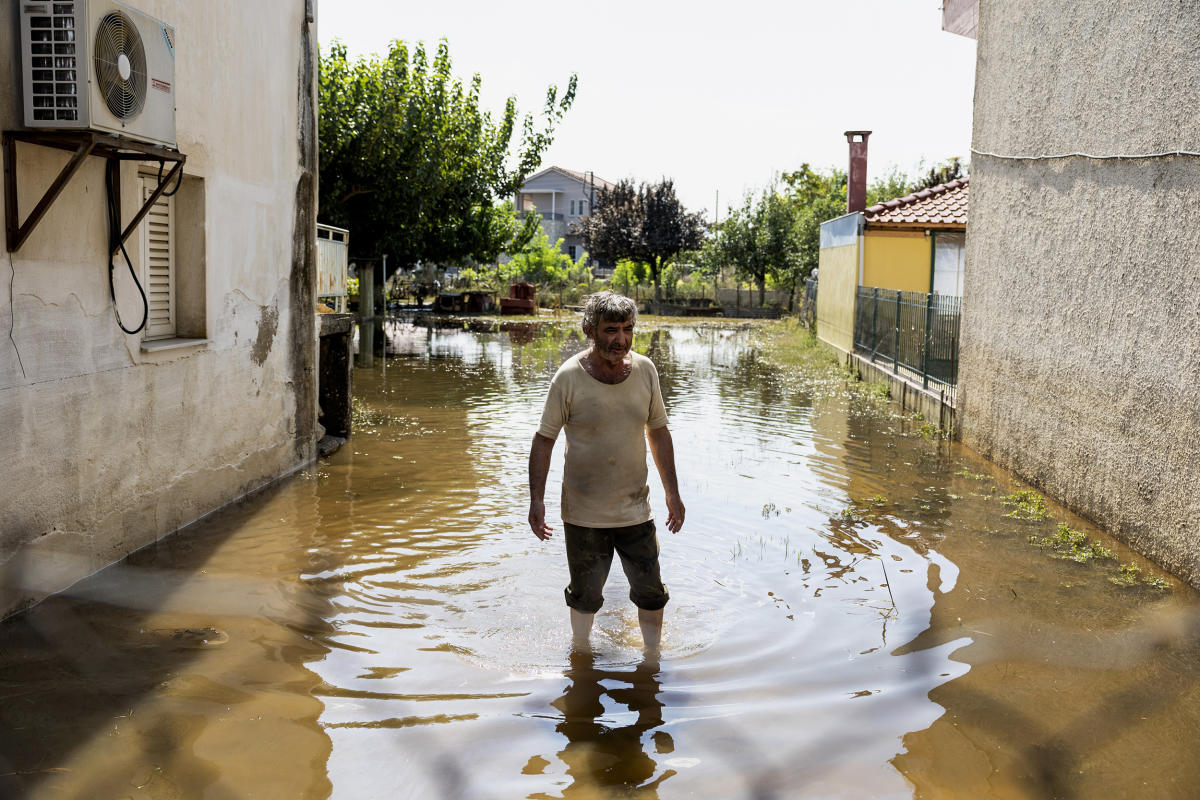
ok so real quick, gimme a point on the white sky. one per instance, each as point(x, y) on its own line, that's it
point(718, 96)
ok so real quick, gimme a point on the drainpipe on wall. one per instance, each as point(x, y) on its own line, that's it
point(856, 190)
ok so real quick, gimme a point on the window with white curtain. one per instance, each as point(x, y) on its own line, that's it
point(949, 256)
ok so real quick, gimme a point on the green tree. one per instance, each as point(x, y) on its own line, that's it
point(942, 173)
point(647, 224)
point(819, 196)
point(629, 274)
point(762, 239)
point(888, 187)
point(541, 262)
point(412, 164)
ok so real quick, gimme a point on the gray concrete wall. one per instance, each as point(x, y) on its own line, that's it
point(106, 445)
point(1080, 360)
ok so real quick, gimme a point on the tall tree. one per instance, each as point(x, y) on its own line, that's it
point(647, 224)
point(414, 166)
point(943, 173)
point(762, 239)
point(819, 196)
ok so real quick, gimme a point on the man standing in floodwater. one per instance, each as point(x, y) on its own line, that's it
point(608, 400)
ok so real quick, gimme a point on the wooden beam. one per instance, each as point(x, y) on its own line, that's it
point(162, 186)
point(83, 143)
point(18, 232)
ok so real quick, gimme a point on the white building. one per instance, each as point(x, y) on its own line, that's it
point(563, 197)
point(112, 440)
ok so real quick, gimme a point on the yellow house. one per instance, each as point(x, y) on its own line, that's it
point(913, 243)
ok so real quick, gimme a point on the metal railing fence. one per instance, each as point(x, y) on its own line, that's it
point(333, 248)
point(916, 332)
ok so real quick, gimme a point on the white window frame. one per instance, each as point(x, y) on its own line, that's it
point(949, 258)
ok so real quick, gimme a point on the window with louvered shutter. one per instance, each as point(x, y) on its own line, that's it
point(158, 262)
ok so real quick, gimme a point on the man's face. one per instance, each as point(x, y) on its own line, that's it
point(613, 338)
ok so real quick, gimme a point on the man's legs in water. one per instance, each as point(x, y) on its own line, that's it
point(651, 624)
point(649, 621)
point(581, 629)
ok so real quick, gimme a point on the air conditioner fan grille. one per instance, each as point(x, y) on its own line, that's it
point(120, 61)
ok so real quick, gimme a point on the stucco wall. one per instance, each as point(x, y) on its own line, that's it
point(837, 289)
point(1080, 360)
point(896, 260)
point(107, 447)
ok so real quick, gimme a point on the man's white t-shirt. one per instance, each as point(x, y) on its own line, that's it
point(604, 479)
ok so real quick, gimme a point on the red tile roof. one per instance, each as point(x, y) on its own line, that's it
point(944, 204)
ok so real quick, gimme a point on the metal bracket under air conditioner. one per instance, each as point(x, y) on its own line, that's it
point(83, 144)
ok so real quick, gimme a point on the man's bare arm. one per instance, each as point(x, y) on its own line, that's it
point(663, 451)
point(539, 468)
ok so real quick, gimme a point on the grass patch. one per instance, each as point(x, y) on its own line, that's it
point(879, 391)
point(790, 344)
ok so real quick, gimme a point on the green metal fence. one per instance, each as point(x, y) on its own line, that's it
point(917, 333)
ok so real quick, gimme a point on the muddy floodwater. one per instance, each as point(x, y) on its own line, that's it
point(859, 609)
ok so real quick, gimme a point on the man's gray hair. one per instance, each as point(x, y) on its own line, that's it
point(607, 307)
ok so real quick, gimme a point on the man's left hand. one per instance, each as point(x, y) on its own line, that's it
point(675, 513)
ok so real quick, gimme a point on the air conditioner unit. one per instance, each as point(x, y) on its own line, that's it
point(98, 65)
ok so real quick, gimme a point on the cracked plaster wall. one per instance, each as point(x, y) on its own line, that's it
point(1080, 360)
point(105, 447)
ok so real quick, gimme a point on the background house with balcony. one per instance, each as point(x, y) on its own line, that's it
point(563, 197)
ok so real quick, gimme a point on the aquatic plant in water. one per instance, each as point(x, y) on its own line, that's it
point(1130, 575)
point(1071, 545)
point(1026, 504)
point(770, 509)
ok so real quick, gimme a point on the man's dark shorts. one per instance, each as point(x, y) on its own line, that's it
point(589, 557)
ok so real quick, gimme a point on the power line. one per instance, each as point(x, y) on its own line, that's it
point(1110, 157)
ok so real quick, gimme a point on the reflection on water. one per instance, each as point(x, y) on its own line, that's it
point(606, 747)
point(855, 613)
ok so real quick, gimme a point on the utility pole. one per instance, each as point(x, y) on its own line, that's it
point(720, 266)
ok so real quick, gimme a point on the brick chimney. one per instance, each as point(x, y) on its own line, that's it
point(856, 194)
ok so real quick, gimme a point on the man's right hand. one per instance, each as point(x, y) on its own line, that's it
point(539, 467)
point(537, 520)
